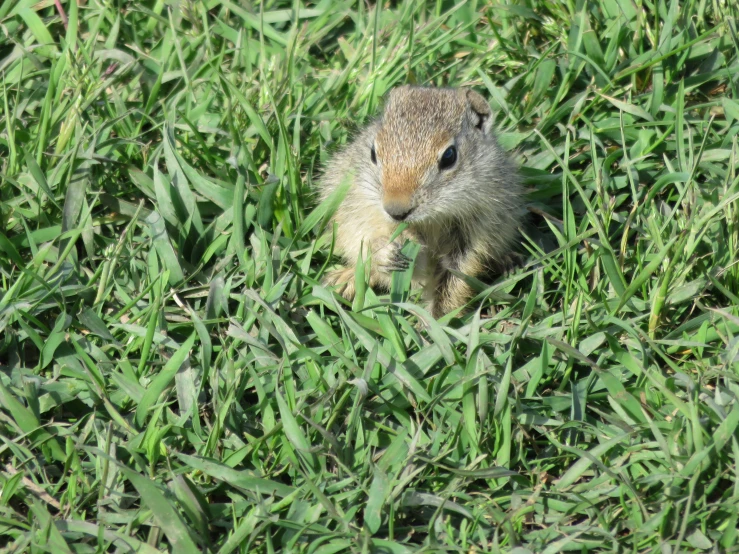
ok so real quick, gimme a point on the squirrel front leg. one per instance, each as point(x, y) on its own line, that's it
point(449, 292)
point(386, 258)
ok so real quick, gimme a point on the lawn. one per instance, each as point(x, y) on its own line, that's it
point(174, 377)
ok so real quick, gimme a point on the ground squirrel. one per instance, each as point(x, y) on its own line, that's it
point(432, 161)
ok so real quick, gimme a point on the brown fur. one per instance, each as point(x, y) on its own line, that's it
point(465, 217)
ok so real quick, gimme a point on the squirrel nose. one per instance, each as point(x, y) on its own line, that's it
point(397, 210)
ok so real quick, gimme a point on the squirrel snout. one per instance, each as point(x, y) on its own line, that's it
point(397, 209)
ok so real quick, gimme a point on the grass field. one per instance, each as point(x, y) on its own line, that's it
point(173, 377)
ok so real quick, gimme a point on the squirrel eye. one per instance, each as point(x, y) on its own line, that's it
point(373, 154)
point(448, 158)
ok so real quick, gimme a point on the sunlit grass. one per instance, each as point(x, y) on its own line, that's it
point(174, 377)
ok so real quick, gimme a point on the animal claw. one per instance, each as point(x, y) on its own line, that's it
point(398, 262)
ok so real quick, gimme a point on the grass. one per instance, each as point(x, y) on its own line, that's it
point(173, 377)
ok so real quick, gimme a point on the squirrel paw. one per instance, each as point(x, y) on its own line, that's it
point(343, 279)
point(397, 261)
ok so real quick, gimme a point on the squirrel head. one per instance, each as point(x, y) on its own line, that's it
point(428, 147)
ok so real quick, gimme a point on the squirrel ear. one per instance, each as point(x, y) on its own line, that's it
point(480, 110)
